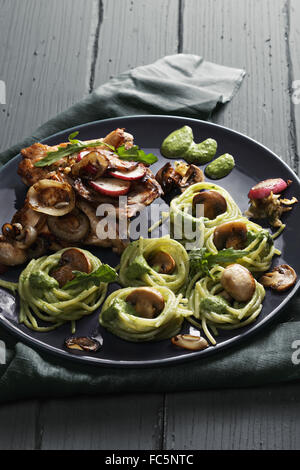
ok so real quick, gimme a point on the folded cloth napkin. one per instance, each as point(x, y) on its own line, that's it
point(184, 85)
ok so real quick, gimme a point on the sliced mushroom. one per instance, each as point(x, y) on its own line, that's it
point(280, 278)
point(192, 176)
point(162, 262)
point(91, 166)
point(83, 343)
point(77, 259)
point(168, 178)
point(193, 343)
point(238, 282)
point(213, 203)
point(230, 235)
point(51, 197)
point(72, 227)
point(147, 301)
point(12, 255)
point(63, 275)
point(181, 176)
point(71, 260)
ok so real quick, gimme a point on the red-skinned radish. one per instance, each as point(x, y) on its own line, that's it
point(264, 188)
point(133, 175)
point(111, 186)
point(82, 154)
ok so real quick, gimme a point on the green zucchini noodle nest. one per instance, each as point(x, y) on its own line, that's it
point(181, 214)
point(212, 312)
point(55, 305)
point(260, 248)
point(134, 328)
point(141, 250)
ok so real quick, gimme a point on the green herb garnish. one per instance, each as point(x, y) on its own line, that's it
point(201, 260)
point(133, 154)
point(73, 147)
point(136, 154)
point(104, 273)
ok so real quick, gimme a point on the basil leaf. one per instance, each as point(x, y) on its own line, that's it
point(73, 147)
point(201, 260)
point(136, 154)
point(104, 273)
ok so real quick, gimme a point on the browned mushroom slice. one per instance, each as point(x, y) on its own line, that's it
point(193, 343)
point(51, 197)
point(72, 227)
point(91, 166)
point(192, 176)
point(63, 275)
point(182, 176)
point(167, 177)
point(83, 343)
point(280, 278)
point(71, 260)
point(238, 282)
point(76, 259)
point(213, 203)
point(162, 262)
point(230, 235)
point(147, 301)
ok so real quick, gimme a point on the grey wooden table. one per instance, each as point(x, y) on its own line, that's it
point(52, 53)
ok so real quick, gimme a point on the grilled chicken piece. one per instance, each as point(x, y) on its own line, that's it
point(30, 155)
point(117, 244)
point(28, 235)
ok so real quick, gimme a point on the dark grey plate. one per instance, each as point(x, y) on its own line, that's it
point(254, 162)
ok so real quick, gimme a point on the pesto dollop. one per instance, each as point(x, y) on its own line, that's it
point(214, 304)
point(220, 167)
point(42, 280)
point(180, 143)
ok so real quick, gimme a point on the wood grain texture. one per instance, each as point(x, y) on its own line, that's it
point(44, 54)
point(17, 426)
point(252, 419)
point(111, 422)
point(293, 38)
point(249, 34)
point(135, 32)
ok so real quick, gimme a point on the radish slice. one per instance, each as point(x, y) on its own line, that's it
point(110, 186)
point(81, 155)
point(136, 174)
point(264, 188)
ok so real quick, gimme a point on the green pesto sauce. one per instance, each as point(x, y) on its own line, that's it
point(215, 304)
point(180, 143)
point(137, 268)
point(41, 280)
point(118, 306)
point(177, 143)
point(220, 167)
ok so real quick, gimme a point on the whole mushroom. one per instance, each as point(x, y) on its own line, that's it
point(147, 302)
point(238, 282)
point(230, 235)
point(213, 203)
point(163, 262)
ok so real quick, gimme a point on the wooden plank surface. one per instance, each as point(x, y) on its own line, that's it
point(109, 422)
point(293, 39)
point(135, 32)
point(260, 419)
point(249, 34)
point(18, 425)
point(44, 52)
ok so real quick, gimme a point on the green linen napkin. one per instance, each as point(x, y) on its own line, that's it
point(183, 85)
